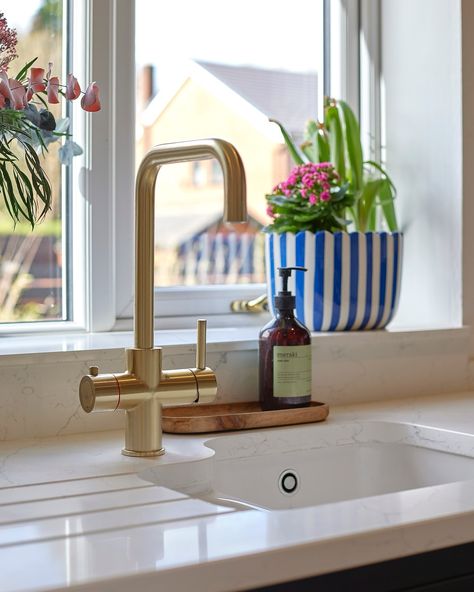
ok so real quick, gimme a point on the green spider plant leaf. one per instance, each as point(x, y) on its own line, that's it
point(367, 203)
point(297, 156)
point(387, 193)
point(353, 145)
point(323, 146)
point(310, 145)
point(372, 221)
point(387, 196)
point(336, 141)
point(379, 168)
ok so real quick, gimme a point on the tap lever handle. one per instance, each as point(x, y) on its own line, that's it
point(201, 344)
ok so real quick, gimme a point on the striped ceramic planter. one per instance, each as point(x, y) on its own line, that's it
point(352, 282)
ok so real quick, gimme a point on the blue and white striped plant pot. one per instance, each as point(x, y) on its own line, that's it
point(352, 282)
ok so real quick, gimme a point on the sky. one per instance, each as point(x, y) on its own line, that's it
point(16, 10)
point(267, 33)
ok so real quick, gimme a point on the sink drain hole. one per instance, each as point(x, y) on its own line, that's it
point(288, 482)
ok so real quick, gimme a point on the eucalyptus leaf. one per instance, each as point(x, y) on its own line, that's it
point(67, 152)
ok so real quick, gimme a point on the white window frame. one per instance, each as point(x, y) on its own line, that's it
point(102, 251)
point(76, 247)
point(179, 306)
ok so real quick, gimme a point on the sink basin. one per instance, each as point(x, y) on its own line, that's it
point(310, 465)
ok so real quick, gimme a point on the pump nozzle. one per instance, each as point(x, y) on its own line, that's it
point(285, 273)
point(285, 300)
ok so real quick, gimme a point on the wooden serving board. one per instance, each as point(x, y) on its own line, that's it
point(198, 419)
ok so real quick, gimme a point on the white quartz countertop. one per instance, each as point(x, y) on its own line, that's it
point(75, 514)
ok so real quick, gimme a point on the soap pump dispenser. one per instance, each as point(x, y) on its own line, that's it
point(285, 354)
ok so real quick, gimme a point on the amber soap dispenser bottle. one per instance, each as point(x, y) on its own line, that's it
point(285, 354)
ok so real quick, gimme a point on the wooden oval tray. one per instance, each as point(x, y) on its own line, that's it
point(198, 419)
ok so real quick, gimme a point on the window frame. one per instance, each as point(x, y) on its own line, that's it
point(102, 201)
point(74, 275)
point(171, 302)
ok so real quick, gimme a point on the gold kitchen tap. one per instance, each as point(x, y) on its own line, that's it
point(145, 386)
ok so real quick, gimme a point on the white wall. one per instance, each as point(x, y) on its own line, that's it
point(421, 72)
point(468, 164)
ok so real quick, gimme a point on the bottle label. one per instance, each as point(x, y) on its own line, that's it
point(291, 370)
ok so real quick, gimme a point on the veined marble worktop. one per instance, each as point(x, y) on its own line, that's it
point(74, 513)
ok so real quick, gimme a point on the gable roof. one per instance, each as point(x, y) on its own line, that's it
point(258, 94)
point(289, 97)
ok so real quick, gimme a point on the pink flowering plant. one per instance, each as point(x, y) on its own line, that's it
point(27, 128)
point(312, 199)
point(337, 139)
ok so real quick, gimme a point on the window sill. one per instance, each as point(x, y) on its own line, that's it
point(81, 346)
point(41, 373)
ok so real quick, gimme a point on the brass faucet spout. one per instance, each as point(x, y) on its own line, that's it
point(145, 386)
point(235, 210)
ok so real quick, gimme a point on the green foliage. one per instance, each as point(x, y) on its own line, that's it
point(296, 215)
point(49, 16)
point(337, 140)
point(24, 186)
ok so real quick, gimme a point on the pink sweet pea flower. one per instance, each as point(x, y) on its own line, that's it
point(52, 89)
point(18, 92)
point(35, 82)
point(5, 87)
point(90, 101)
point(73, 90)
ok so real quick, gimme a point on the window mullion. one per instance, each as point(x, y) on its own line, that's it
point(100, 180)
point(344, 51)
point(125, 153)
point(370, 98)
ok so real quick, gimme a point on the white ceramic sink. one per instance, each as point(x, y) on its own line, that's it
point(322, 463)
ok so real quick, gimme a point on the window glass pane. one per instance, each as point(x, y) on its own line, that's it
point(213, 70)
point(31, 273)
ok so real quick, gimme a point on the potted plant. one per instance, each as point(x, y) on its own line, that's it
point(327, 217)
point(27, 127)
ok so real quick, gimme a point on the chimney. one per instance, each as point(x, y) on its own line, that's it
point(146, 85)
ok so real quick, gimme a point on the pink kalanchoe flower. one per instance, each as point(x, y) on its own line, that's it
point(73, 90)
point(313, 198)
point(18, 93)
point(270, 211)
point(35, 82)
point(52, 89)
point(90, 101)
point(325, 196)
